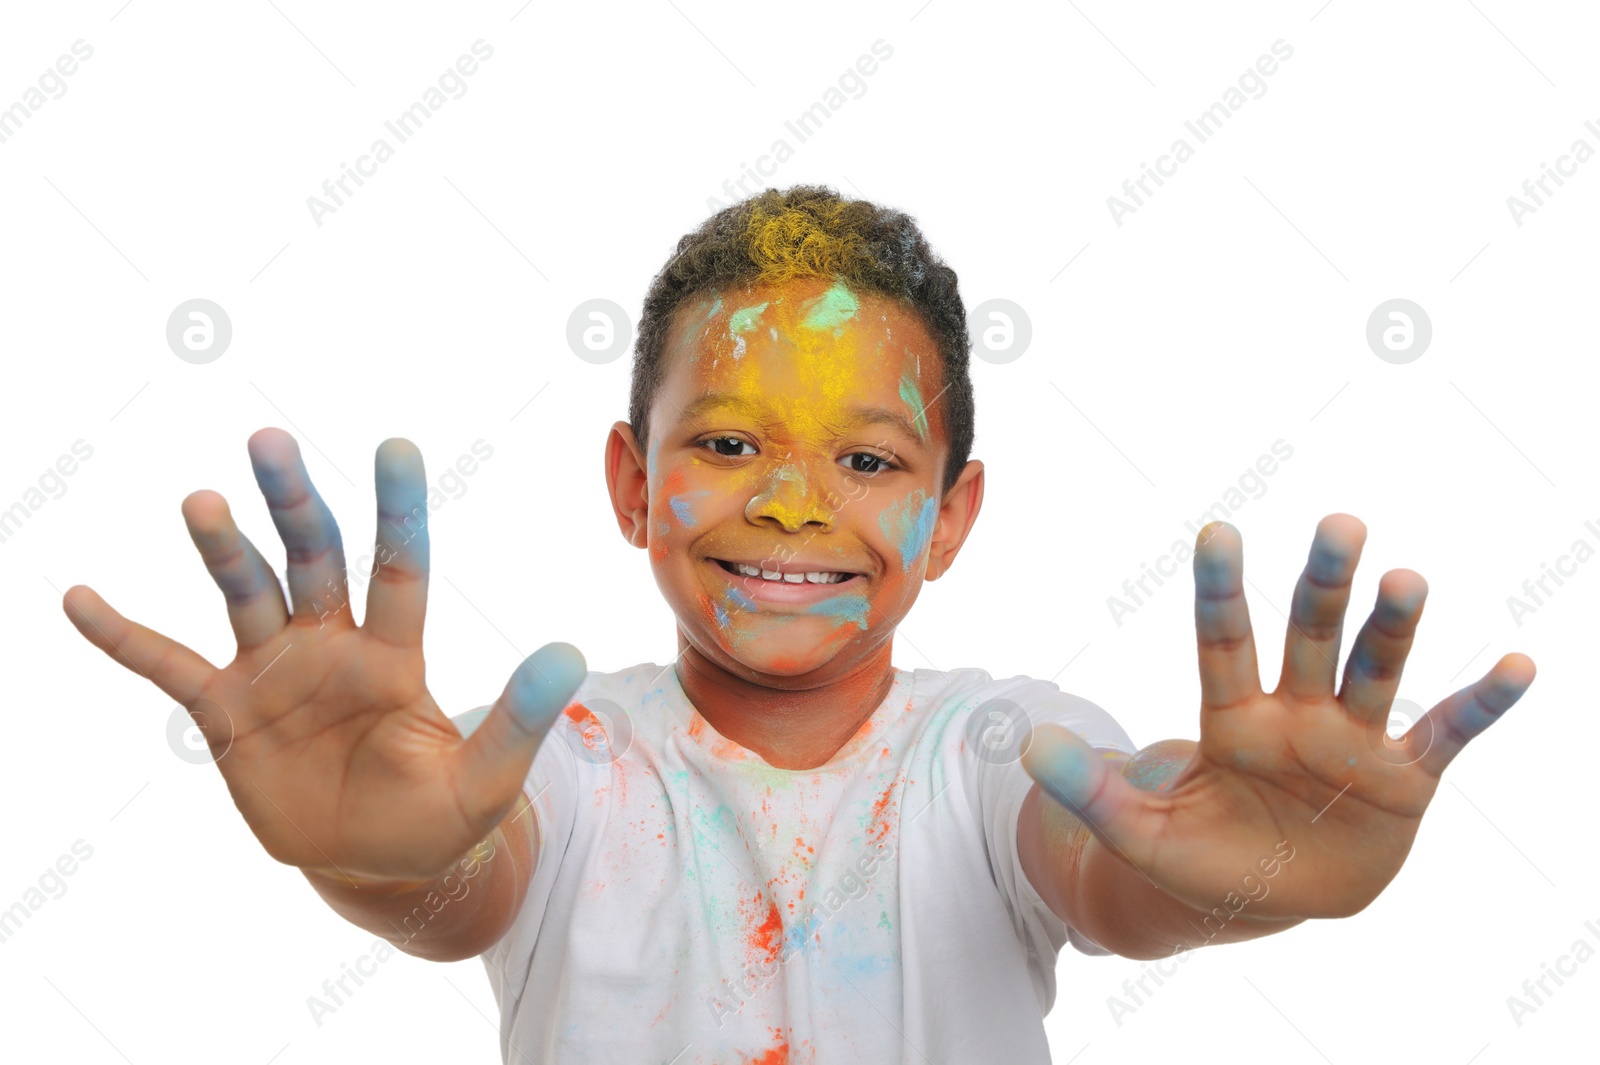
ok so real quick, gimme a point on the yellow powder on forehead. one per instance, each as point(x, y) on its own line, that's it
point(812, 388)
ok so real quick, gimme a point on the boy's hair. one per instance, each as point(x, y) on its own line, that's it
point(810, 231)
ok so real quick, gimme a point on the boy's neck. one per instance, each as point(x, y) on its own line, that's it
point(789, 728)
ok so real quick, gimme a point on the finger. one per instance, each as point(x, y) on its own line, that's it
point(1228, 671)
point(1461, 717)
point(1316, 616)
point(1090, 786)
point(1372, 674)
point(166, 663)
point(255, 601)
point(494, 760)
point(315, 552)
point(397, 597)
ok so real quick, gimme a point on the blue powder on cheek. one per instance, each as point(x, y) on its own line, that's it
point(909, 524)
point(680, 507)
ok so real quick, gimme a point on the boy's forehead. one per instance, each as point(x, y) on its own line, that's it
point(811, 333)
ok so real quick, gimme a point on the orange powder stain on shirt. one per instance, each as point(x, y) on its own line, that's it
point(878, 827)
point(778, 1054)
point(595, 738)
point(766, 938)
point(594, 734)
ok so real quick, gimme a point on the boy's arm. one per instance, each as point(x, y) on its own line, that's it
point(449, 918)
point(1294, 803)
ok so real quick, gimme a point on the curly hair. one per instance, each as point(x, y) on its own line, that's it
point(810, 231)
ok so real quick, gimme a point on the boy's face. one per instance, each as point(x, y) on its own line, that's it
point(790, 495)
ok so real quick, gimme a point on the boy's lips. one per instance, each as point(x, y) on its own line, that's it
point(787, 582)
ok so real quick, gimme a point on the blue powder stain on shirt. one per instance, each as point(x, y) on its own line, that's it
point(862, 965)
point(909, 523)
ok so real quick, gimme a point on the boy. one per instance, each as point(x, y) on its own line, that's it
point(779, 847)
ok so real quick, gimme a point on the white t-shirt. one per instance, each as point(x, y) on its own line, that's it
point(694, 905)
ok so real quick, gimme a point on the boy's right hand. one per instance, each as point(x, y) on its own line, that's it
point(333, 749)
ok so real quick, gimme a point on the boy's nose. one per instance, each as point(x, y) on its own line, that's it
point(791, 498)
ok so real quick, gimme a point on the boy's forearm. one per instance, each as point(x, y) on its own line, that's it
point(454, 916)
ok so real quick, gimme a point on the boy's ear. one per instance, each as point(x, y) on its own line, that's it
point(956, 515)
point(628, 482)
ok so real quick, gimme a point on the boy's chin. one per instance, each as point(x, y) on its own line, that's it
point(792, 650)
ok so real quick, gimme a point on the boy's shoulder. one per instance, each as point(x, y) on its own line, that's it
point(987, 710)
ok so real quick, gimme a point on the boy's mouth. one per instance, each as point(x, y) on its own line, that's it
point(785, 573)
point(794, 584)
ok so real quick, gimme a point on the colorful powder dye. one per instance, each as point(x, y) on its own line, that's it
point(833, 308)
point(681, 507)
point(909, 523)
point(913, 398)
point(744, 319)
point(769, 502)
point(852, 607)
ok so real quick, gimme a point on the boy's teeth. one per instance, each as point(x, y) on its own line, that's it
point(811, 577)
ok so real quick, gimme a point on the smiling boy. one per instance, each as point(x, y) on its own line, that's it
point(780, 847)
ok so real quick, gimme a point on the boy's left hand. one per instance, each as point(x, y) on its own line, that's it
point(1301, 763)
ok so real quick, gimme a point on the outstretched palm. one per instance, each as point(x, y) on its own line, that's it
point(330, 744)
point(1301, 764)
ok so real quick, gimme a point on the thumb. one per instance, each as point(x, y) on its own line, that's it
point(494, 760)
point(1091, 786)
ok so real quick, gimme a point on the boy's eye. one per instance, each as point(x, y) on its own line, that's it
point(866, 462)
point(729, 446)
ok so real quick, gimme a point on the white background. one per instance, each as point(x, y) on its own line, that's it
point(1226, 313)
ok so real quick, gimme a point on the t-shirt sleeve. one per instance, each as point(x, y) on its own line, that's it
point(1003, 783)
point(552, 788)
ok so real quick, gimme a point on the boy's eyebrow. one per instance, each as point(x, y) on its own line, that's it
point(720, 401)
point(742, 405)
point(884, 416)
